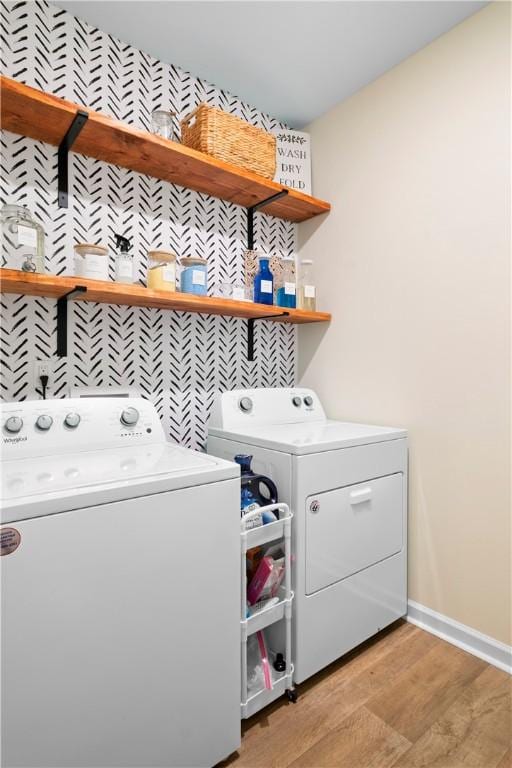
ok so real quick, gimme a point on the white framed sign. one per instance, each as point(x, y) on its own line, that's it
point(293, 160)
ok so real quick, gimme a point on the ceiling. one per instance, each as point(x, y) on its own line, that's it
point(293, 60)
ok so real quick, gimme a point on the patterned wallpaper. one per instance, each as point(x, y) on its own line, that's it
point(178, 360)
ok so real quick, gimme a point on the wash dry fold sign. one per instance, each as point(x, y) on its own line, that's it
point(293, 160)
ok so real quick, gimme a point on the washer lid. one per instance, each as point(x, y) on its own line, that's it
point(37, 486)
point(313, 437)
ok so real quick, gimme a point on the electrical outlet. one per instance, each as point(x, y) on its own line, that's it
point(42, 368)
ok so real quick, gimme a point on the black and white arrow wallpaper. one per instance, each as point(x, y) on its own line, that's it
point(176, 359)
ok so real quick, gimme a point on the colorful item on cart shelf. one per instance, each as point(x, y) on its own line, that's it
point(162, 270)
point(267, 579)
point(253, 559)
point(259, 671)
point(263, 283)
point(22, 244)
point(91, 261)
point(194, 275)
point(267, 674)
point(124, 262)
point(251, 497)
point(286, 287)
point(307, 292)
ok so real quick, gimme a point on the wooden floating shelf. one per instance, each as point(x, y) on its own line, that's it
point(51, 286)
point(30, 112)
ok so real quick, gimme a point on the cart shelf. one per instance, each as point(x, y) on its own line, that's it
point(282, 611)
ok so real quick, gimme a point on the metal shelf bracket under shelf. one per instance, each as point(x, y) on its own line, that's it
point(250, 215)
point(62, 318)
point(250, 332)
point(67, 142)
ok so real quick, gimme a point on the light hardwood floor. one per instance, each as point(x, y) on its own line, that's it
point(404, 699)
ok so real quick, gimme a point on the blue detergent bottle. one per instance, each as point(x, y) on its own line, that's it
point(263, 283)
point(251, 496)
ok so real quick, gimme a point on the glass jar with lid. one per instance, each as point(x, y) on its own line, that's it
point(286, 287)
point(194, 275)
point(22, 239)
point(162, 270)
point(91, 261)
point(307, 291)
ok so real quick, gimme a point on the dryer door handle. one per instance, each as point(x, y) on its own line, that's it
point(363, 494)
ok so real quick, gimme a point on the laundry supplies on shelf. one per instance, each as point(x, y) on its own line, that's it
point(263, 283)
point(124, 261)
point(286, 285)
point(22, 245)
point(194, 275)
point(91, 261)
point(307, 290)
point(162, 270)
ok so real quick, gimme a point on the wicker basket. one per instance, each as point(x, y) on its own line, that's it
point(226, 137)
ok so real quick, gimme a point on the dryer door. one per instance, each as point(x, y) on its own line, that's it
point(351, 528)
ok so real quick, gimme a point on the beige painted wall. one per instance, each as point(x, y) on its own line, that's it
point(414, 264)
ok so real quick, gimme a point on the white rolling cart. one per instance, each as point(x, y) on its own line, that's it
point(254, 537)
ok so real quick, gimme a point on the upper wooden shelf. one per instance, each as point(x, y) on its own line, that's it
point(30, 112)
point(15, 281)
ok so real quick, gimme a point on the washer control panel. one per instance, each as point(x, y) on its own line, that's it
point(286, 405)
point(40, 427)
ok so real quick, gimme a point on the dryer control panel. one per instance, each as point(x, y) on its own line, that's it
point(41, 427)
point(283, 405)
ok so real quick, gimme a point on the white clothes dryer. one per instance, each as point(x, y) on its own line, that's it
point(347, 487)
point(120, 590)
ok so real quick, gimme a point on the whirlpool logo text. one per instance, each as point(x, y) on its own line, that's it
point(20, 439)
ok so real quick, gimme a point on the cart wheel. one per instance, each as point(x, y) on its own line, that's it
point(291, 695)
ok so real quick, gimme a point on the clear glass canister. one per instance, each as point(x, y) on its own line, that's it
point(286, 287)
point(91, 261)
point(307, 291)
point(162, 270)
point(194, 275)
point(22, 239)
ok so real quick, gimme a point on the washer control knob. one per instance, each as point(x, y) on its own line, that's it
point(44, 422)
point(129, 417)
point(72, 420)
point(13, 424)
point(245, 404)
point(308, 400)
point(296, 401)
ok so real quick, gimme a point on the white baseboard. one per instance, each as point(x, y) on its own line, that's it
point(486, 648)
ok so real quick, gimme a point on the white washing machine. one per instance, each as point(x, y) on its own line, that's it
point(347, 487)
point(120, 591)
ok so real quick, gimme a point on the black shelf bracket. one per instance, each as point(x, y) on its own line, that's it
point(67, 142)
point(250, 331)
point(250, 215)
point(62, 318)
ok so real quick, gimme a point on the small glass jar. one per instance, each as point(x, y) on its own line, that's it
point(162, 271)
point(162, 123)
point(194, 275)
point(236, 291)
point(91, 261)
point(307, 292)
point(22, 239)
point(286, 287)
